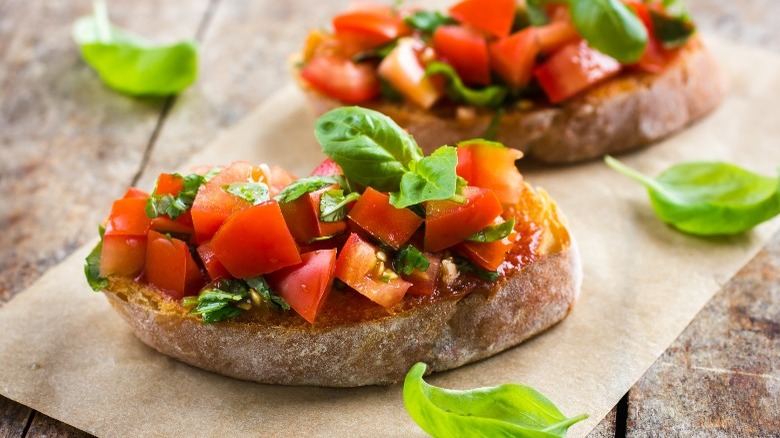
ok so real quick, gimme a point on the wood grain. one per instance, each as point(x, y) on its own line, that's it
point(43, 426)
point(13, 417)
point(67, 143)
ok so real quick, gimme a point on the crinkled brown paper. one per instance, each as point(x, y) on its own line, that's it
point(64, 352)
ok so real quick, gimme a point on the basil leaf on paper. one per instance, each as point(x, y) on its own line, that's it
point(709, 198)
point(490, 96)
point(610, 27)
point(129, 63)
point(504, 410)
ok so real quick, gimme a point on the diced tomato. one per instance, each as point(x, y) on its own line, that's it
point(280, 178)
point(513, 57)
point(656, 58)
point(342, 79)
point(366, 29)
point(491, 166)
point(358, 267)
point(489, 255)
point(128, 218)
point(424, 283)
point(133, 192)
point(213, 266)
point(573, 69)
point(303, 217)
point(403, 70)
point(169, 184)
point(306, 286)
point(170, 266)
point(255, 241)
point(213, 205)
point(448, 223)
point(555, 35)
point(491, 16)
point(466, 50)
point(328, 167)
point(181, 227)
point(122, 255)
point(374, 214)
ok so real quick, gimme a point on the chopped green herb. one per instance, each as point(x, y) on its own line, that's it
point(673, 32)
point(490, 96)
point(378, 53)
point(158, 205)
point(92, 265)
point(493, 232)
point(220, 301)
point(465, 265)
point(408, 259)
point(333, 205)
point(508, 410)
point(259, 285)
point(303, 186)
point(251, 192)
point(428, 21)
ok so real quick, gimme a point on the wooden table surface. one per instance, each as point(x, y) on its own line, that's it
point(68, 146)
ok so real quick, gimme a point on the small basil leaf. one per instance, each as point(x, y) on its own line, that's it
point(130, 64)
point(490, 96)
point(433, 177)
point(408, 259)
point(673, 32)
point(369, 146)
point(493, 233)
point(610, 27)
point(302, 186)
point(260, 285)
point(709, 198)
point(214, 171)
point(252, 192)
point(175, 206)
point(92, 266)
point(333, 205)
point(428, 21)
point(504, 410)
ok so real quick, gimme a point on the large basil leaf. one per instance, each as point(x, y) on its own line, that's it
point(610, 27)
point(505, 410)
point(709, 198)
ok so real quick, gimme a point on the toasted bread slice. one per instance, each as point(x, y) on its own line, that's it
point(366, 344)
point(627, 112)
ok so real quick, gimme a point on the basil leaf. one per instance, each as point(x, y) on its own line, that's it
point(493, 233)
point(433, 177)
point(215, 304)
point(92, 265)
point(302, 186)
point(709, 198)
point(490, 96)
point(130, 64)
point(333, 205)
point(369, 146)
point(504, 410)
point(408, 259)
point(535, 13)
point(378, 53)
point(158, 205)
point(252, 192)
point(260, 286)
point(214, 171)
point(677, 9)
point(610, 27)
point(671, 31)
point(464, 265)
point(428, 21)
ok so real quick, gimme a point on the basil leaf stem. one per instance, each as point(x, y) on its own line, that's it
point(504, 410)
point(490, 96)
point(129, 63)
point(333, 205)
point(709, 198)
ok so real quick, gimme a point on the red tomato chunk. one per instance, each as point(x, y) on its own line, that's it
point(573, 69)
point(128, 218)
point(449, 223)
point(122, 255)
point(491, 166)
point(491, 16)
point(306, 286)
point(213, 205)
point(466, 50)
point(170, 266)
point(303, 218)
point(213, 266)
point(374, 214)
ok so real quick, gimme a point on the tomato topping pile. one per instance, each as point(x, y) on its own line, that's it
point(531, 53)
point(225, 238)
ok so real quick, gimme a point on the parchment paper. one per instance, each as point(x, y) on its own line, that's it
point(64, 352)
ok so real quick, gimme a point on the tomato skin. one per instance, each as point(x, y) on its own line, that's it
point(366, 29)
point(133, 192)
point(213, 266)
point(213, 205)
point(303, 217)
point(448, 223)
point(356, 265)
point(555, 35)
point(424, 283)
point(491, 16)
point(342, 79)
point(328, 167)
point(513, 57)
point(168, 184)
point(122, 255)
point(403, 70)
point(128, 218)
point(255, 241)
point(491, 166)
point(374, 214)
point(306, 286)
point(573, 69)
point(170, 266)
point(181, 227)
point(489, 255)
point(466, 50)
